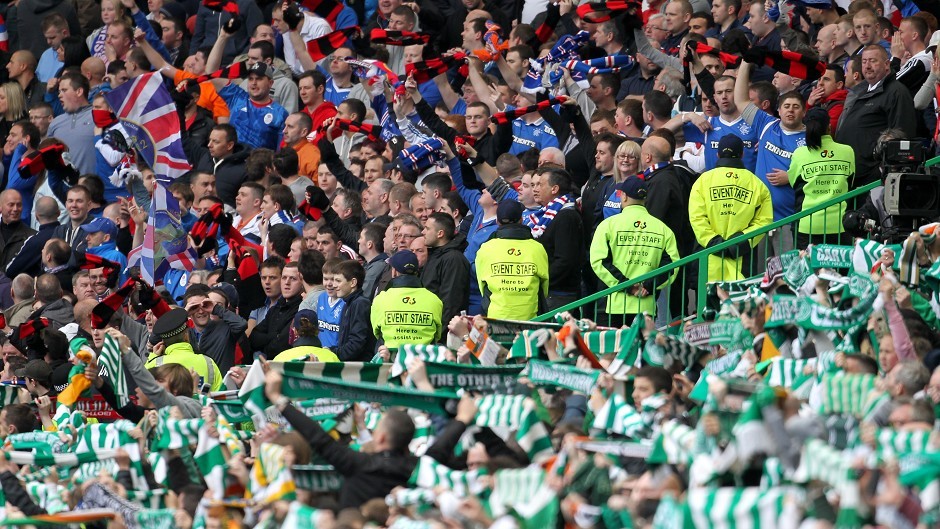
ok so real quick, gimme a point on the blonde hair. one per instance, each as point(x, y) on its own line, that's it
point(628, 147)
point(16, 101)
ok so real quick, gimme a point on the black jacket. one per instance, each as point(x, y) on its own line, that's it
point(365, 475)
point(564, 243)
point(230, 174)
point(593, 196)
point(866, 115)
point(17, 496)
point(11, 241)
point(271, 334)
point(667, 199)
point(29, 259)
point(356, 341)
point(490, 146)
point(447, 274)
point(336, 166)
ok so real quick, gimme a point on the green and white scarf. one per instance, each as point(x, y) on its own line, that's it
point(346, 371)
point(674, 445)
point(530, 344)
point(428, 353)
point(173, 434)
point(210, 459)
point(524, 494)
point(820, 461)
point(516, 412)
point(555, 374)
point(297, 387)
point(618, 417)
point(300, 516)
point(810, 315)
point(452, 376)
point(735, 508)
point(317, 478)
point(847, 393)
point(110, 359)
point(430, 474)
point(785, 372)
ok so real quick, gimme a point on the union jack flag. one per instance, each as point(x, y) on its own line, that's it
point(149, 115)
point(165, 244)
point(4, 36)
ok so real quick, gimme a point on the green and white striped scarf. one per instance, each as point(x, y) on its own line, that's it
point(820, 461)
point(810, 315)
point(430, 474)
point(173, 434)
point(66, 460)
point(674, 445)
point(677, 350)
point(410, 497)
point(300, 516)
point(252, 394)
point(110, 359)
point(625, 343)
point(734, 508)
point(210, 459)
point(524, 493)
point(297, 387)
point(847, 393)
point(516, 412)
point(424, 435)
point(452, 376)
point(97, 437)
point(555, 374)
point(671, 514)
point(831, 256)
point(785, 372)
point(894, 443)
point(155, 518)
point(529, 344)
point(618, 417)
point(428, 353)
point(347, 371)
point(922, 471)
point(49, 496)
point(270, 479)
point(42, 442)
point(68, 420)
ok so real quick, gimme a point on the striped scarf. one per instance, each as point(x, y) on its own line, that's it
point(110, 359)
point(270, 479)
point(507, 117)
point(618, 417)
point(526, 495)
point(894, 443)
point(300, 516)
point(558, 375)
point(538, 222)
point(847, 393)
point(820, 461)
point(597, 12)
point(210, 459)
point(427, 70)
point(674, 444)
point(626, 343)
point(529, 344)
point(609, 64)
point(738, 507)
point(420, 156)
point(430, 474)
point(174, 434)
point(428, 353)
point(398, 38)
point(347, 371)
point(516, 412)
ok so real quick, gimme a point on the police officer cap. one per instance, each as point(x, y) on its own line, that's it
point(172, 323)
point(730, 146)
point(634, 187)
point(405, 262)
point(509, 211)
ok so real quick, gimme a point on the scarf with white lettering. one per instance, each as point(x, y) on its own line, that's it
point(653, 168)
point(538, 222)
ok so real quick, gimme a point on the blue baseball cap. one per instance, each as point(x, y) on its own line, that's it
point(101, 224)
point(404, 262)
point(634, 187)
point(730, 146)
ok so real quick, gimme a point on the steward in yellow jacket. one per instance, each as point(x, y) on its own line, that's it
point(512, 268)
point(628, 245)
point(406, 312)
point(173, 330)
point(726, 202)
point(305, 344)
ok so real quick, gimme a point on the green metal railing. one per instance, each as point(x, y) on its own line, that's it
point(756, 261)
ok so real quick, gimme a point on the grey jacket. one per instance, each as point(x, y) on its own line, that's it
point(160, 397)
point(58, 312)
point(19, 313)
point(220, 337)
point(374, 270)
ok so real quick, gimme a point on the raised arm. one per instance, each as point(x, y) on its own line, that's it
point(214, 60)
point(448, 95)
point(742, 85)
point(156, 60)
point(300, 50)
point(480, 86)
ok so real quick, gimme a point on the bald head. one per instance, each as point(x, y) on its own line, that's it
point(25, 57)
point(93, 69)
point(657, 149)
point(10, 194)
point(47, 210)
point(83, 313)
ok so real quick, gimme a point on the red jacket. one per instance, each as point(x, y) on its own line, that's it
point(834, 104)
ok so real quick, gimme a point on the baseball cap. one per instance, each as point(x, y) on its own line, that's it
point(305, 314)
point(934, 40)
point(260, 68)
point(36, 369)
point(229, 291)
point(103, 225)
point(404, 262)
point(730, 146)
point(174, 10)
point(634, 187)
point(509, 211)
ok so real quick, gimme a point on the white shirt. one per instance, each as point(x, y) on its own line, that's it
point(313, 27)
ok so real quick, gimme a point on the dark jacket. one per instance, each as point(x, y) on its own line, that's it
point(209, 23)
point(866, 115)
point(593, 196)
point(346, 230)
point(220, 336)
point(25, 20)
point(356, 341)
point(196, 138)
point(365, 475)
point(17, 496)
point(60, 313)
point(29, 259)
point(271, 334)
point(230, 174)
point(447, 274)
point(74, 236)
point(336, 166)
point(564, 242)
point(490, 146)
point(12, 238)
point(374, 270)
point(667, 199)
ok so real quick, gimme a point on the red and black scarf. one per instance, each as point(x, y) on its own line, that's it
point(547, 29)
point(424, 71)
point(398, 38)
point(328, 9)
point(34, 162)
point(225, 6)
point(503, 118)
point(106, 308)
point(597, 12)
point(238, 70)
point(327, 44)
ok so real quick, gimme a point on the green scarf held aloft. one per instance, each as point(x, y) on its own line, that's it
point(554, 374)
point(298, 387)
point(808, 314)
point(451, 376)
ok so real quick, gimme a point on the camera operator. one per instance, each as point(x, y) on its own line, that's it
point(871, 219)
